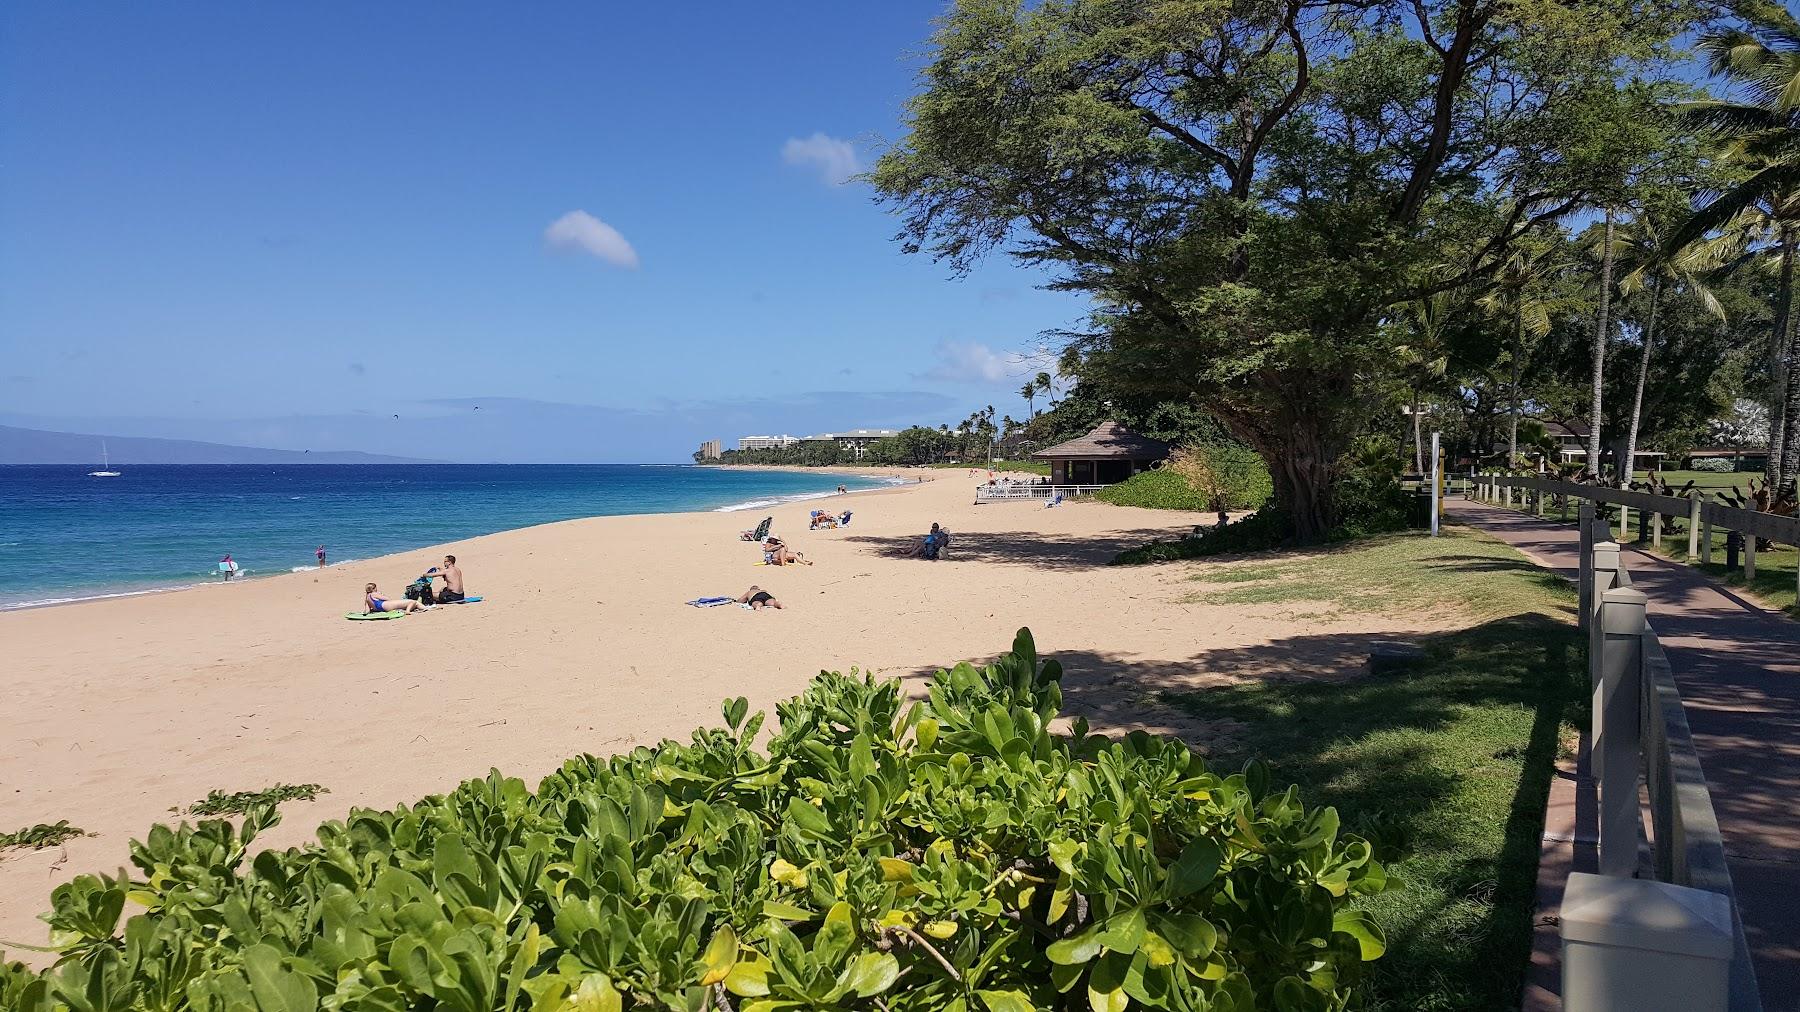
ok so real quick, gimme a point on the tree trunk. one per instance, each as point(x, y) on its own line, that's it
point(1518, 353)
point(1637, 400)
point(1790, 447)
point(1302, 455)
point(1779, 340)
point(1601, 332)
point(1418, 447)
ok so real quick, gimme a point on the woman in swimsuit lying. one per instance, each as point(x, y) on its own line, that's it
point(758, 599)
point(374, 602)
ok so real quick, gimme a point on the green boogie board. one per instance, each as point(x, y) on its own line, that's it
point(374, 616)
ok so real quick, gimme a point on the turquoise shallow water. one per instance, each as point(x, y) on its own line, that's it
point(65, 536)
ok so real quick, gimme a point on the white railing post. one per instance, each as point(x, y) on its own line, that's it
point(1625, 524)
point(1605, 569)
point(1693, 525)
point(1616, 711)
point(1749, 557)
point(1584, 583)
point(1635, 944)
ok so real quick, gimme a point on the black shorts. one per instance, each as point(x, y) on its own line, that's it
point(448, 596)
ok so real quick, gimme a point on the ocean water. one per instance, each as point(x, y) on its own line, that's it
point(65, 536)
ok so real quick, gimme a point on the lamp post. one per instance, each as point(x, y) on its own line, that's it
point(1437, 481)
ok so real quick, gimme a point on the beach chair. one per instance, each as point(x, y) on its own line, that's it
point(761, 531)
point(844, 521)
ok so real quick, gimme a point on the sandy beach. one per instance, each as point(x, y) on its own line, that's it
point(119, 711)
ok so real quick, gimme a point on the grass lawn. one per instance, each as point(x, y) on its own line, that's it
point(1707, 479)
point(1446, 765)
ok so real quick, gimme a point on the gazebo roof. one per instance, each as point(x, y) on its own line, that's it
point(1108, 441)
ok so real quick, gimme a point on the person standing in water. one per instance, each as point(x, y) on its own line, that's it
point(321, 554)
point(227, 566)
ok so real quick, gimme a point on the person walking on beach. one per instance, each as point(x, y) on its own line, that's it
point(453, 581)
point(321, 554)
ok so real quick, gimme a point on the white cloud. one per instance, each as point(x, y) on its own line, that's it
point(581, 232)
point(835, 159)
point(971, 362)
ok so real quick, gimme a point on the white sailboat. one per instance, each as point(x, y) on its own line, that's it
point(106, 470)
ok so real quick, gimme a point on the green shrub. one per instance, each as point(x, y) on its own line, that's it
point(1713, 465)
point(948, 855)
point(1242, 479)
point(1267, 528)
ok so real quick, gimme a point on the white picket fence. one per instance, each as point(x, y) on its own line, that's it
point(1012, 492)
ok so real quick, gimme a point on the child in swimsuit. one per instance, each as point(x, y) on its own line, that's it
point(374, 602)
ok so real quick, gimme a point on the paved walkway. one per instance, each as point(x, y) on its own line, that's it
point(1738, 667)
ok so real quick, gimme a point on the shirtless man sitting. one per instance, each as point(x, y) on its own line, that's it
point(452, 576)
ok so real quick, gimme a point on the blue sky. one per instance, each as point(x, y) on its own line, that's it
point(620, 229)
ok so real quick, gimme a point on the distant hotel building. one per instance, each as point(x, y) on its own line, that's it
point(766, 442)
point(709, 450)
point(855, 442)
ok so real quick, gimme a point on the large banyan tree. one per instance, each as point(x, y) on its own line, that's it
point(1247, 188)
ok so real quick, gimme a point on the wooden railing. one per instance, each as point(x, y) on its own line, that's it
point(1005, 492)
point(1639, 727)
point(1539, 495)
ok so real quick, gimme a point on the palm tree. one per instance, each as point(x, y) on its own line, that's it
point(1424, 356)
point(1643, 245)
point(1601, 333)
point(1042, 381)
point(1030, 392)
point(1762, 133)
point(1527, 315)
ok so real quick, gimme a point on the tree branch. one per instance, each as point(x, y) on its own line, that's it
point(1456, 65)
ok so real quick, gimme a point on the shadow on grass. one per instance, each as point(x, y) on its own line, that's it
point(1022, 548)
point(1447, 767)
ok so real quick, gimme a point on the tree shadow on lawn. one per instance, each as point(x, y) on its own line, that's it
point(1025, 548)
point(1445, 766)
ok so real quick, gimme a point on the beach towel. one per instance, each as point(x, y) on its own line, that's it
point(464, 600)
point(709, 602)
point(373, 616)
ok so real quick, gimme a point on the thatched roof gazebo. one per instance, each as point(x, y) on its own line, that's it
point(1109, 454)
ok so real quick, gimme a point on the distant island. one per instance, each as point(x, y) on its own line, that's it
point(36, 446)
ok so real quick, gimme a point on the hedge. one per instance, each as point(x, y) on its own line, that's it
point(951, 854)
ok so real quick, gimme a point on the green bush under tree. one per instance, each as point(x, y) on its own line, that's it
point(951, 854)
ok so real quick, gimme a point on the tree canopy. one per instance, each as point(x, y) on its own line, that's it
point(1248, 190)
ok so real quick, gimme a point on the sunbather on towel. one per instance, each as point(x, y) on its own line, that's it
point(757, 599)
point(374, 602)
point(777, 553)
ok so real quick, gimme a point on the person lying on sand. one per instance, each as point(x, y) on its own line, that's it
point(756, 599)
point(453, 580)
point(374, 602)
point(777, 553)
